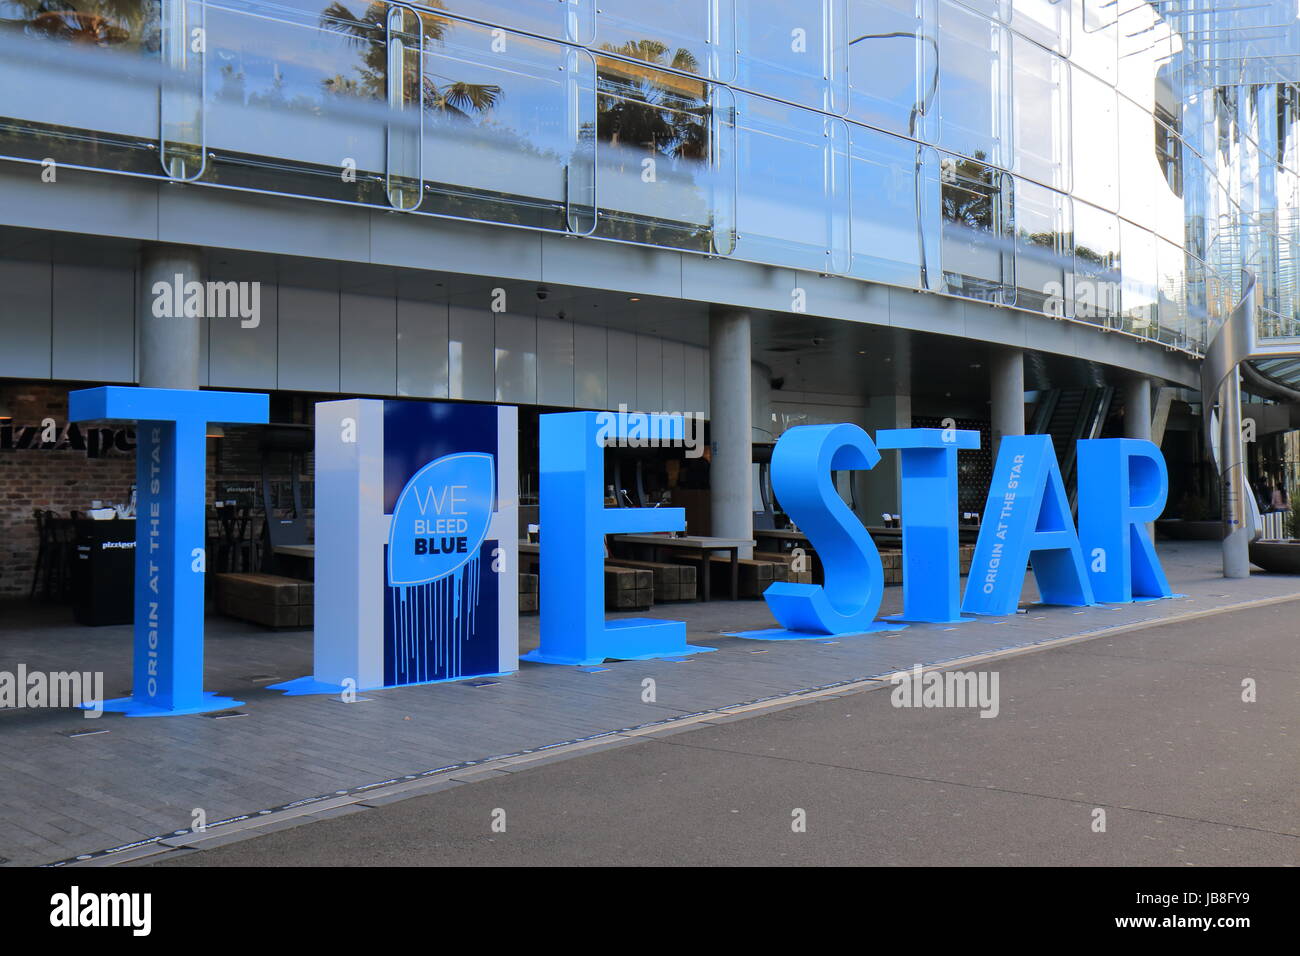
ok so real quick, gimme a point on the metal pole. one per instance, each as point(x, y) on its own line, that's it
point(1232, 481)
point(1221, 377)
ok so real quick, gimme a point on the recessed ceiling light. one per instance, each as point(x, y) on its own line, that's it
point(633, 298)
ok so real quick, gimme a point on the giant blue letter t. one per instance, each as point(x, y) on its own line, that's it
point(170, 561)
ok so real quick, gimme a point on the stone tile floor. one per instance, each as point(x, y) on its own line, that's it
point(61, 797)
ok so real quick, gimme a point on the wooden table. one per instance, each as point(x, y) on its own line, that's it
point(298, 550)
point(780, 538)
point(297, 558)
point(699, 547)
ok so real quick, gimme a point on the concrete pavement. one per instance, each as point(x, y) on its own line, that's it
point(1148, 726)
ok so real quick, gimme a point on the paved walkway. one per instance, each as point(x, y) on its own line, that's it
point(64, 797)
point(1147, 727)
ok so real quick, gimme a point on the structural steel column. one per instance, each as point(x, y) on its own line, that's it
point(1137, 409)
point(170, 341)
point(730, 426)
point(1007, 384)
point(1232, 485)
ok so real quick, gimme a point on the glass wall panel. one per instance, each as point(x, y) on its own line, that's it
point(792, 201)
point(1140, 268)
point(503, 126)
point(572, 20)
point(1095, 141)
point(1197, 304)
point(666, 158)
point(972, 88)
point(893, 66)
point(978, 246)
point(1094, 44)
point(296, 100)
point(1142, 185)
point(1095, 291)
point(1040, 107)
point(52, 56)
point(670, 33)
point(1219, 298)
point(1145, 47)
point(1173, 294)
point(1043, 21)
point(894, 205)
point(1044, 248)
point(793, 50)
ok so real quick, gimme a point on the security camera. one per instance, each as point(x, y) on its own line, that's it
point(778, 383)
point(818, 340)
point(542, 292)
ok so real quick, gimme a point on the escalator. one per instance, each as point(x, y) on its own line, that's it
point(1067, 415)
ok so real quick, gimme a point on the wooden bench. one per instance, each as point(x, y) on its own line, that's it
point(794, 577)
point(755, 575)
point(527, 593)
point(266, 599)
point(628, 589)
point(891, 559)
point(672, 582)
point(625, 588)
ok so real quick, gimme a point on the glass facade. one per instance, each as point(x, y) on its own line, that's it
point(1116, 164)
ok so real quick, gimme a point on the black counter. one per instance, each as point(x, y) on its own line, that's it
point(103, 572)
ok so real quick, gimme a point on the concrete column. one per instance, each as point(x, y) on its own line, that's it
point(170, 343)
point(730, 426)
point(880, 489)
point(1007, 385)
point(1137, 408)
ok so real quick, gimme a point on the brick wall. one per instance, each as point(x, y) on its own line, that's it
point(54, 476)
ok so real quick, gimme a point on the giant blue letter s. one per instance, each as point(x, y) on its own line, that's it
point(1123, 483)
point(802, 463)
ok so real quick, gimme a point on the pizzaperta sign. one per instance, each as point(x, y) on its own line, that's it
point(49, 435)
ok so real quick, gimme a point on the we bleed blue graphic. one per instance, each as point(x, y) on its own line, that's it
point(440, 606)
point(441, 519)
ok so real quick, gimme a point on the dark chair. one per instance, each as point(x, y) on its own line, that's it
point(63, 545)
point(40, 567)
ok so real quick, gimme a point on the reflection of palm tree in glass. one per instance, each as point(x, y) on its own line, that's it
point(968, 188)
point(455, 98)
point(660, 111)
point(102, 23)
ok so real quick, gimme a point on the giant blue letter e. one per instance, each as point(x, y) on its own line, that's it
point(170, 563)
point(574, 522)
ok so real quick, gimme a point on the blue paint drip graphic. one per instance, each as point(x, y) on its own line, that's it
point(432, 624)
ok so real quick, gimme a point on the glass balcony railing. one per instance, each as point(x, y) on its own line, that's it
point(974, 149)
